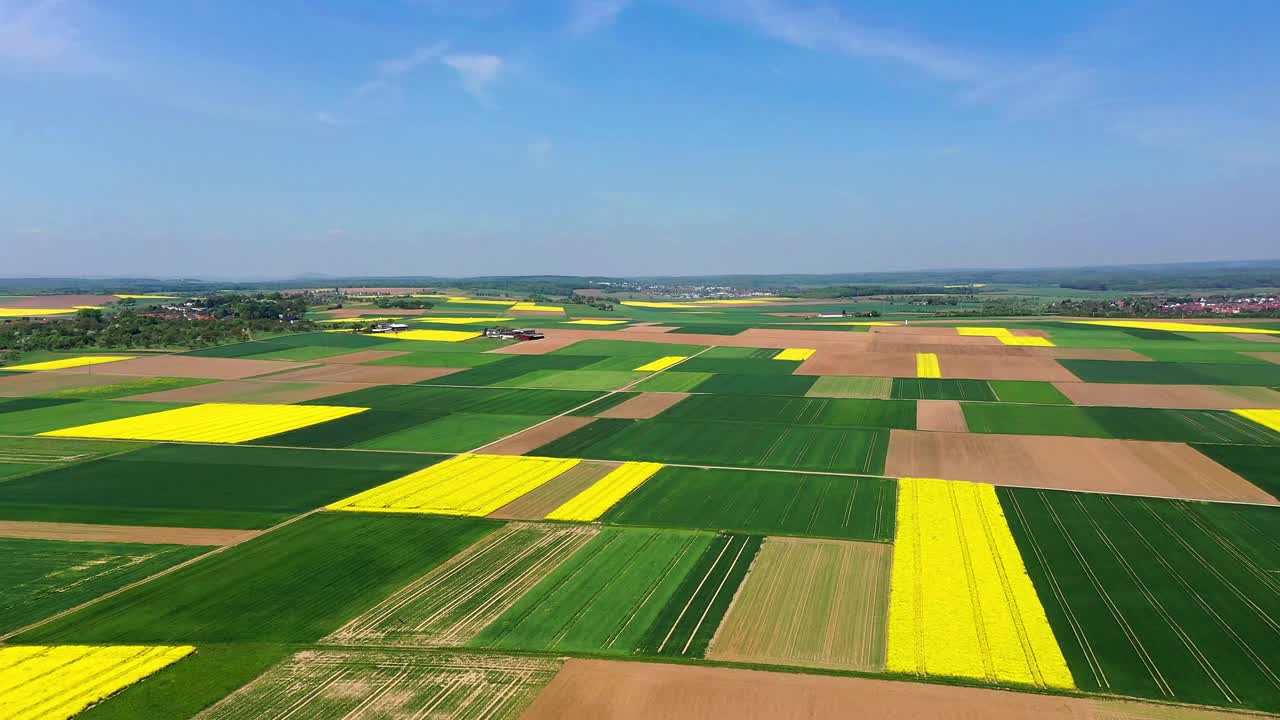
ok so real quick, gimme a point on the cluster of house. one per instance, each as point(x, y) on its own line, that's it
point(503, 333)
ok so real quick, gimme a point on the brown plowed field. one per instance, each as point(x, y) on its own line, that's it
point(1187, 397)
point(190, 366)
point(815, 603)
point(940, 416)
point(364, 356)
point(122, 533)
point(644, 405)
point(1127, 467)
point(53, 302)
point(913, 330)
point(536, 436)
point(935, 342)
point(617, 690)
point(36, 383)
point(252, 391)
point(555, 340)
point(860, 363)
point(369, 374)
point(1002, 368)
point(953, 349)
point(1268, 356)
point(1256, 337)
point(1061, 353)
point(535, 505)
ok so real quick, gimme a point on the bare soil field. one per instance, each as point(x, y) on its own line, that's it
point(650, 691)
point(536, 436)
point(1268, 356)
point(996, 350)
point(364, 356)
point(189, 366)
point(644, 405)
point(1127, 467)
point(36, 383)
point(815, 603)
point(1002, 368)
point(1187, 397)
point(252, 391)
point(558, 339)
point(935, 341)
point(54, 302)
point(940, 416)
point(538, 503)
point(1062, 353)
point(355, 312)
point(1256, 337)
point(368, 374)
point(122, 533)
point(860, 363)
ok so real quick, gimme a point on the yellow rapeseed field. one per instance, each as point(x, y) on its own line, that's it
point(34, 312)
point(435, 335)
point(662, 363)
point(961, 602)
point(594, 321)
point(70, 363)
point(927, 365)
point(1027, 341)
point(211, 423)
point(479, 301)
point(1178, 326)
point(360, 320)
point(146, 297)
point(39, 682)
point(658, 305)
point(448, 320)
point(591, 503)
point(1005, 336)
point(535, 307)
point(469, 484)
point(1268, 418)
point(795, 354)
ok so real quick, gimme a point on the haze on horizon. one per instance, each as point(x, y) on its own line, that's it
point(632, 137)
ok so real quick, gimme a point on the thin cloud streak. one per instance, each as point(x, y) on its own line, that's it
point(477, 71)
point(592, 15)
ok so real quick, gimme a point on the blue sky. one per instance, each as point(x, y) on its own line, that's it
point(220, 138)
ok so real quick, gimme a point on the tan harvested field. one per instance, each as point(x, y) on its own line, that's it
point(1127, 467)
point(997, 350)
point(536, 436)
point(538, 503)
point(936, 342)
point(1120, 710)
point(1256, 337)
point(860, 363)
point(1187, 397)
point(190, 366)
point(252, 391)
point(814, 603)
point(36, 383)
point(122, 533)
point(364, 356)
point(1002, 368)
point(368, 374)
point(913, 330)
point(940, 416)
point(652, 691)
point(560, 339)
point(358, 311)
point(644, 405)
point(53, 302)
point(1268, 356)
point(1061, 353)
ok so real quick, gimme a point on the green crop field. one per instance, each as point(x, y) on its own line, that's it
point(1156, 598)
point(768, 503)
point(687, 624)
point(851, 387)
point(1181, 355)
point(615, 348)
point(516, 366)
point(739, 366)
point(1121, 423)
point(673, 381)
point(26, 455)
point(126, 388)
point(1027, 391)
point(32, 416)
point(1173, 373)
point(296, 584)
point(604, 403)
point(574, 379)
point(939, 389)
point(758, 384)
point(1258, 465)
point(429, 400)
point(443, 359)
point(44, 577)
point(729, 444)
point(604, 598)
point(200, 485)
point(838, 412)
point(460, 432)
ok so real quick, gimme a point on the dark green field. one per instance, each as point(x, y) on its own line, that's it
point(443, 359)
point(941, 389)
point(604, 598)
point(729, 444)
point(1216, 426)
point(1027, 391)
point(439, 401)
point(127, 388)
point(616, 348)
point(836, 412)
point(739, 366)
point(1258, 465)
point(200, 485)
point(758, 384)
point(1173, 373)
point(1156, 598)
point(44, 577)
point(768, 503)
point(296, 584)
point(513, 367)
point(32, 416)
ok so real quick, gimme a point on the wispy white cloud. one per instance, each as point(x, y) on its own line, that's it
point(34, 32)
point(592, 15)
point(392, 70)
point(478, 72)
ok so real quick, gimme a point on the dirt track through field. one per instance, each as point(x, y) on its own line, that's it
point(1188, 397)
point(190, 366)
point(536, 436)
point(251, 391)
point(538, 503)
point(815, 603)
point(371, 374)
point(1128, 467)
point(37, 383)
point(122, 533)
point(364, 356)
point(644, 405)
point(941, 416)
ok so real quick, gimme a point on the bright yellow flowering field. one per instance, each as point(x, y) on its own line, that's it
point(211, 423)
point(961, 602)
point(927, 365)
point(1268, 418)
point(56, 682)
point(70, 363)
point(479, 301)
point(449, 320)
point(1005, 336)
point(591, 503)
point(435, 335)
point(1178, 326)
point(662, 363)
point(468, 484)
point(795, 354)
point(535, 307)
point(594, 321)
